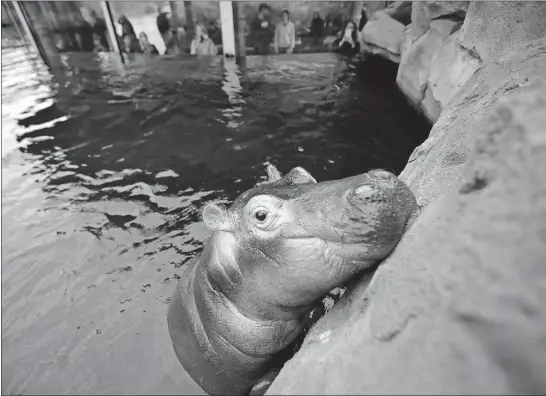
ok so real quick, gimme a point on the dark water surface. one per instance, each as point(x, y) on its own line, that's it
point(104, 172)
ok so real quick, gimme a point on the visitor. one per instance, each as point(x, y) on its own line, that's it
point(60, 42)
point(262, 30)
point(285, 35)
point(202, 44)
point(146, 46)
point(98, 46)
point(126, 27)
point(348, 45)
point(215, 32)
point(184, 41)
point(163, 23)
point(129, 41)
point(80, 43)
point(84, 36)
point(95, 26)
point(363, 19)
point(317, 28)
point(131, 45)
point(168, 33)
point(172, 45)
point(101, 30)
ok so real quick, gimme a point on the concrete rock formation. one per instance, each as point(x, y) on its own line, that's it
point(449, 69)
point(399, 11)
point(462, 293)
point(434, 26)
point(445, 9)
point(413, 73)
point(382, 36)
point(458, 307)
point(492, 27)
point(436, 62)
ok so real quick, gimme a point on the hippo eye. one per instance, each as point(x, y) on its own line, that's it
point(261, 215)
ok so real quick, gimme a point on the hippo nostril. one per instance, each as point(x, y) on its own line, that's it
point(383, 174)
point(364, 191)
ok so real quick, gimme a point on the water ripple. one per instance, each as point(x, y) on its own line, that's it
point(105, 171)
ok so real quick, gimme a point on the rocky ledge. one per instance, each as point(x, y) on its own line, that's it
point(459, 306)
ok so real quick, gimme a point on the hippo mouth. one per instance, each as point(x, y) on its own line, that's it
point(335, 250)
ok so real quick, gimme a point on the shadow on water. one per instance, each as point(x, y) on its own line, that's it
point(104, 172)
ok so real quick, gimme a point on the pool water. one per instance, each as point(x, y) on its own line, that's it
point(105, 169)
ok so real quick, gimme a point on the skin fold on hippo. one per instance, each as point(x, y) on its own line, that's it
point(276, 252)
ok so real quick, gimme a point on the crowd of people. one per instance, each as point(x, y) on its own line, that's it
point(87, 35)
point(264, 36)
point(129, 42)
point(174, 37)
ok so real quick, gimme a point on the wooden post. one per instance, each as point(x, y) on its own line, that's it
point(111, 28)
point(228, 28)
point(24, 23)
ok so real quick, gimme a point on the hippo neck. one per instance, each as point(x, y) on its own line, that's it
point(229, 325)
point(225, 276)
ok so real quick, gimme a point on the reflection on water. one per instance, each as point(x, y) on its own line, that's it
point(104, 172)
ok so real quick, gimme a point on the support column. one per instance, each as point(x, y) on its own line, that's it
point(175, 15)
point(26, 28)
point(37, 31)
point(228, 28)
point(356, 11)
point(111, 28)
point(240, 27)
point(7, 12)
point(190, 31)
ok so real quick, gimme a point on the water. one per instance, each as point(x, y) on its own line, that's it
point(104, 172)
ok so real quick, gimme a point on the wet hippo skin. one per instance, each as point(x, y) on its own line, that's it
point(277, 251)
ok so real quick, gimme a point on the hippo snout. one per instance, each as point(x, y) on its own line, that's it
point(371, 186)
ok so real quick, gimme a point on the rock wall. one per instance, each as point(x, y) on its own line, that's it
point(458, 307)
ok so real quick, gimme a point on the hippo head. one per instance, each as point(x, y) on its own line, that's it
point(289, 241)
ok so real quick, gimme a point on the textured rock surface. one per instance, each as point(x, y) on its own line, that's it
point(431, 107)
point(447, 9)
point(435, 166)
point(373, 6)
point(423, 12)
point(406, 43)
point(382, 36)
point(491, 27)
point(420, 19)
point(449, 69)
point(431, 72)
point(458, 307)
point(413, 72)
point(428, 87)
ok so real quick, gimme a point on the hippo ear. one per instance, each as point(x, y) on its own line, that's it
point(216, 218)
point(297, 176)
point(273, 174)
